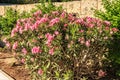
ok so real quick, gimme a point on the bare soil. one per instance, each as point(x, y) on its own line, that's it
point(14, 69)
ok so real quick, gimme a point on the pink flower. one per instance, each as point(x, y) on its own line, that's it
point(23, 60)
point(56, 32)
point(15, 45)
point(91, 25)
point(51, 51)
point(49, 38)
point(87, 43)
point(79, 21)
point(34, 40)
point(54, 21)
point(8, 45)
point(81, 40)
point(107, 23)
point(36, 50)
point(114, 29)
point(5, 40)
point(20, 30)
point(65, 25)
point(55, 13)
point(81, 31)
point(32, 27)
point(37, 13)
point(107, 28)
point(63, 14)
point(24, 51)
point(32, 59)
point(26, 26)
point(13, 32)
point(40, 71)
point(43, 20)
point(101, 73)
point(40, 37)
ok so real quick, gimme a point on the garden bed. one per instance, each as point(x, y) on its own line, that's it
point(15, 70)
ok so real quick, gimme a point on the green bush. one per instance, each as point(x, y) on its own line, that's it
point(46, 8)
point(60, 46)
point(8, 21)
point(112, 14)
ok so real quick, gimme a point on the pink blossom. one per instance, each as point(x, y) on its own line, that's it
point(26, 26)
point(20, 30)
point(32, 59)
point(87, 43)
point(81, 31)
point(91, 25)
point(23, 60)
point(55, 13)
point(8, 45)
point(107, 23)
point(37, 13)
point(63, 14)
point(101, 73)
point(51, 51)
point(49, 38)
point(36, 50)
point(54, 21)
point(15, 45)
point(79, 21)
point(43, 20)
point(24, 51)
point(5, 40)
point(65, 25)
point(40, 71)
point(40, 37)
point(69, 46)
point(56, 32)
point(18, 26)
point(71, 17)
point(114, 29)
point(13, 32)
point(81, 40)
point(107, 28)
point(34, 40)
point(32, 27)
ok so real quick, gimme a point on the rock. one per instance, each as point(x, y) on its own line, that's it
point(2, 44)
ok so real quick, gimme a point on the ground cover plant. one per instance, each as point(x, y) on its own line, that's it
point(58, 45)
point(112, 13)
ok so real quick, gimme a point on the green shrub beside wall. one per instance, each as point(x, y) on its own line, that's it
point(112, 14)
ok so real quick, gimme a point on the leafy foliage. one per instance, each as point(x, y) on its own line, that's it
point(112, 14)
point(8, 21)
point(58, 45)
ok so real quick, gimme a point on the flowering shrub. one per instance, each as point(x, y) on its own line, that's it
point(61, 46)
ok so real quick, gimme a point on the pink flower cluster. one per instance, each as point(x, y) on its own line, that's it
point(101, 73)
point(54, 21)
point(15, 45)
point(82, 41)
point(49, 37)
point(24, 51)
point(36, 50)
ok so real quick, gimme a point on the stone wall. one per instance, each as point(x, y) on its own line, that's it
point(81, 8)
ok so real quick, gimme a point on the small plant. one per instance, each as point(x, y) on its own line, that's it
point(58, 45)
